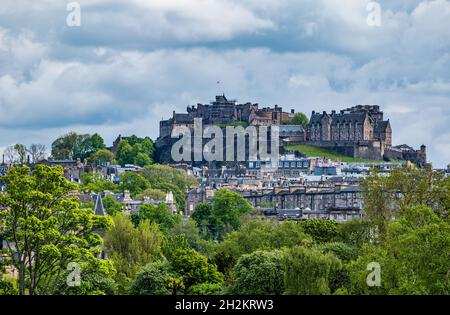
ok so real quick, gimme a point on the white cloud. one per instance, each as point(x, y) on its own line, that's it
point(132, 63)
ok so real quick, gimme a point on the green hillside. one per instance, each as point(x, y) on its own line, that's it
point(312, 151)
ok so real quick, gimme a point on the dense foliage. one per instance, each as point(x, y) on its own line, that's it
point(223, 248)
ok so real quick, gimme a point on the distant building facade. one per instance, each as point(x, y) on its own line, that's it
point(359, 131)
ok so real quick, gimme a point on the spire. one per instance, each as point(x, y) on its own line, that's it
point(98, 208)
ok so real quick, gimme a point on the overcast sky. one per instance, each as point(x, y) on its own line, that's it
point(131, 62)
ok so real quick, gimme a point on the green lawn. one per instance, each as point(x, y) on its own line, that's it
point(312, 151)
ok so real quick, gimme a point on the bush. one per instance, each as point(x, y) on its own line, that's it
point(205, 288)
point(8, 286)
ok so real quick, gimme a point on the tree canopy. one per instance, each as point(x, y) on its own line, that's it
point(45, 228)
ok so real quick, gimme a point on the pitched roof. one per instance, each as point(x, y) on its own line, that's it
point(381, 126)
point(98, 208)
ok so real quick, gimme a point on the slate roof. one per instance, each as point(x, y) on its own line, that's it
point(291, 130)
point(339, 118)
point(98, 208)
point(183, 118)
point(381, 126)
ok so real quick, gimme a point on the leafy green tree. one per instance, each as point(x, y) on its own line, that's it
point(189, 230)
point(205, 289)
point(256, 235)
point(260, 273)
point(321, 230)
point(298, 119)
point(88, 145)
point(142, 159)
point(93, 182)
point(159, 214)
point(8, 286)
point(101, 156)
point(308, 271)
point(386, 197)
point(44, 228)
point(168, 179)
point(124, 154)
point(135, 150)
point(95, 279)
point(131, 247)
point(202, 215)
point(158, 173)
point(342, 251)
point(133, 182)
point(155, 194)
point(356, 232)
point(154, 279)
point(413, 258)
point(111, 205)
point(73, 146)
point(177, 193)
point(227, 209)
point(194, 268)
point(21, 153)
point(64, 146)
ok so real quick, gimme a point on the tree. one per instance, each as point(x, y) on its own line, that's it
point(21, 151)
point(256, 235)
point(356, 232)
point(142, 159)
point(154, 279)
point(135, 150)
point(132, 247)
point(11, 154)
point(44, 228)
point(124, 154)
point(342, 251)
point(227, 209)
point(259, 273)
point(37, 152)
point(73, 146)
point(159, 214)
point(202, 215)
point(321, 230)
point(194, 268)
point(64, 146)
point(111, 205)
point(414, 258)
point(101, 156)
point(387, 197)
point(155, 194)
point(95, 183)
point(95, 279)
point(189, 231)
point(133, 182)
point(205, 288)
point(298, 119)
point(158, 173)
point(308, 271)
point(167, 179)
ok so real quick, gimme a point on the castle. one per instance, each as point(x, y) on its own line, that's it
point(358, 131)
point(223, 111)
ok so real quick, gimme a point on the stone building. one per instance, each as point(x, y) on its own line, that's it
point(358, 123)
point(220, 112)
point(361, 132)
point(223, 111)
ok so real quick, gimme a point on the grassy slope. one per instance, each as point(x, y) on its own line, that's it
point(312, 151)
